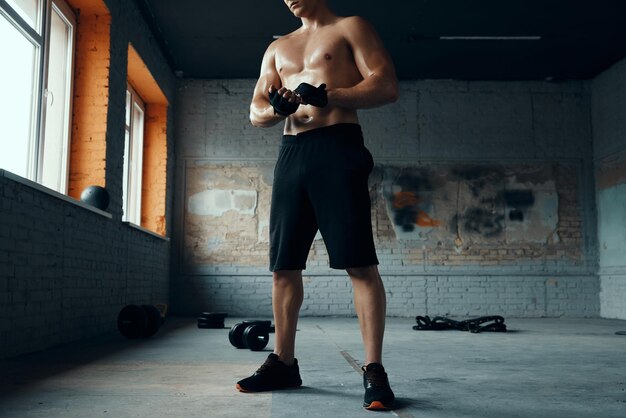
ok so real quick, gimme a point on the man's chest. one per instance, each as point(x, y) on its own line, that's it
point(314, 52)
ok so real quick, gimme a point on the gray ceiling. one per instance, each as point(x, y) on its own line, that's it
point(579, 39)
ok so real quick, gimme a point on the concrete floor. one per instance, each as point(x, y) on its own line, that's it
point(542, 368)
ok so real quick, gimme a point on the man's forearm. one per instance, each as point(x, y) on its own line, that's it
point(374, 91)
point(264, 116)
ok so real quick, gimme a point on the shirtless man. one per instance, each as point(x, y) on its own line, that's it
point(321, 176)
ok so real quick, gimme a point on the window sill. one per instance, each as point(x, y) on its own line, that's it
point(147, 231)
point(54, 193)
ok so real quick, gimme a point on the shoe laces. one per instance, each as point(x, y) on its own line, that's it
point(375, 377)
point(265, 367)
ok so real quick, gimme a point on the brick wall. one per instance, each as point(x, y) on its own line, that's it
point(407, 295)
point(155, 159)
point(534, 137)
point(90, 102)
point(609, 134)
point(65, 269)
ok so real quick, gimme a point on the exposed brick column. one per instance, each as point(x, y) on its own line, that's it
point(91, 100)
point(154, 168)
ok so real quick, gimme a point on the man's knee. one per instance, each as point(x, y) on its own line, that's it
point(365, 272)
point(287, 275)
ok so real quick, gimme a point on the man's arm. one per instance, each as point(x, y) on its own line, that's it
point(262, 113)
point(379, 85)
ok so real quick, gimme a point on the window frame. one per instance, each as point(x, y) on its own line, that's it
point(67, 15)
point(133, 185)
point(31, 34)
point(38, 28)
point(41, 41)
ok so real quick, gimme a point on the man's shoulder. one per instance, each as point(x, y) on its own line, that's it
point(352, 21)
point(352, 27)
point(283, 40)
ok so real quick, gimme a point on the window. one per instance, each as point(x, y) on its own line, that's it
point(155, 144)
point(133, 157)
point(35, 103)
point(29, 10)
point(19, 84)
point(55, 142)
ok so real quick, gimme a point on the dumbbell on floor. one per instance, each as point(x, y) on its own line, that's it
point(251, 334)
point(214, 320)
point(136, 321)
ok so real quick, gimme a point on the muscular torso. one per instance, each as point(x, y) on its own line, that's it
point(315, 57)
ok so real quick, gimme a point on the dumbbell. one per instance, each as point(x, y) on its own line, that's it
point(213, 320)
point(135, 321)
point(251, 334)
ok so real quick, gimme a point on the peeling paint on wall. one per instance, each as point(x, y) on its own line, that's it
point(434, 214)
point(611, 171)
point(216, 202)
point(478, 203)
point(226, 219)
point(408, 195)
point(536, 222)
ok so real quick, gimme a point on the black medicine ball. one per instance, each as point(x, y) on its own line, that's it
point(95, 196)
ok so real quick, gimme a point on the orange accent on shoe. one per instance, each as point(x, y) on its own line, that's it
point(240, 389)
point(377, 406)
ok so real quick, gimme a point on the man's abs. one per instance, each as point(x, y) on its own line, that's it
point(310, 117)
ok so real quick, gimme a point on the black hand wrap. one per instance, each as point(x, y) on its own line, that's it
point(281, 105)
point(315, 96)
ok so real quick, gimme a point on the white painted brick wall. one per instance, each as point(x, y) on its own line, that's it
point(613, 296)
point(440, 120)
point(432, 121)
point(407, 296)
point(608, 104)
point(609, 134)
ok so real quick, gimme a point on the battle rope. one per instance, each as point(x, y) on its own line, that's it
point(475, 325)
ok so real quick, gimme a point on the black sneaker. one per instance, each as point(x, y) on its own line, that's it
point(272, 375)
point(378, 394)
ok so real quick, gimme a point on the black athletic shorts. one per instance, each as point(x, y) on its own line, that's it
point(320, 181)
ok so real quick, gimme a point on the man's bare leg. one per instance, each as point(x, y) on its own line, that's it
point(280, 370)
point(370, 303)
point(287, 296)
